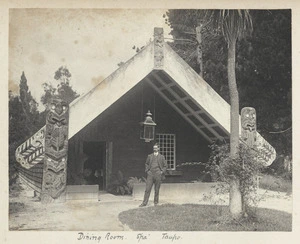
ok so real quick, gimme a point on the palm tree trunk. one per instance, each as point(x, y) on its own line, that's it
point(235, 195)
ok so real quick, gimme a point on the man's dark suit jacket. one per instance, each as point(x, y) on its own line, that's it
point(162, 163)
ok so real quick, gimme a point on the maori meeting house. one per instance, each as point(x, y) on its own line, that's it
point(153, 97)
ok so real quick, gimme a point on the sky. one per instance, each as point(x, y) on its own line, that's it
point(89, 42)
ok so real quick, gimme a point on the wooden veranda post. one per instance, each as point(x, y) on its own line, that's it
point(56, 152)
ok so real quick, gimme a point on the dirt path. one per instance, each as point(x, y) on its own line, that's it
point(27, 213)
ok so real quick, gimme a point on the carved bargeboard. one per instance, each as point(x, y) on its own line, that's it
point(265, 152)
point(56, 152)
point(31, 152)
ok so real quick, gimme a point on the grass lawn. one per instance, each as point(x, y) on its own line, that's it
point(195, 217)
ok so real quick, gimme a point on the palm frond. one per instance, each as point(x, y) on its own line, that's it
point(234, 24)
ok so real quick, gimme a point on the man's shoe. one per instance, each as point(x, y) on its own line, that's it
point(142, 205)
point(156, 203)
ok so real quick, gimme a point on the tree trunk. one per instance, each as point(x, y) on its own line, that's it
point(235, 199)
point(235, 196)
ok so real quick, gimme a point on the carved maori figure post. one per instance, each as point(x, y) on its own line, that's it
point(264, 152)
point(248, 133)
point(158, 48)
point(248, 126)
point(56, 152)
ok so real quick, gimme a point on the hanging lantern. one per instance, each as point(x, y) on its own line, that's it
point(147, 128)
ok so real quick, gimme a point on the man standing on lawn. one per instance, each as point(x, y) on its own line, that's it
point(155, 167)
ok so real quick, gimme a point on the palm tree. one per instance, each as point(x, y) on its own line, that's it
point(234, 24)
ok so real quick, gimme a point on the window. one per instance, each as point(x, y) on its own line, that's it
point(167, 145)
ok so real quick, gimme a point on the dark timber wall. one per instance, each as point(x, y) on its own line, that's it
point(119, 125)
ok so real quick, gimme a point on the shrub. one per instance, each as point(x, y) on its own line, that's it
point(281, 167)
point(13, 172)
point(119, 185)
point(134, 180)
point(244, 168)
point(275, 183)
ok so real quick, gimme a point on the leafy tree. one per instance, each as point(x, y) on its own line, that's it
point(24, 120)
point(63, 74)
point(263, 66)
point(17, 132)
point(29, 106)
point(63, 89)
point(265, 79)
point(183, 25)
point(17, 120)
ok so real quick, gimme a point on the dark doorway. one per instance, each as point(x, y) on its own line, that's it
point(95, 165)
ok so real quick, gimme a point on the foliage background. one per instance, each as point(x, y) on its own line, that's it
point(263, 67)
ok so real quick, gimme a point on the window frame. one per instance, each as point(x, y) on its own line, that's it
point(169, 151)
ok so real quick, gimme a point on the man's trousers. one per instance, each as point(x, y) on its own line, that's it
point(155, 179)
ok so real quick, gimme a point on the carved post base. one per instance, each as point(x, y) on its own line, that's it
point(46, 199)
